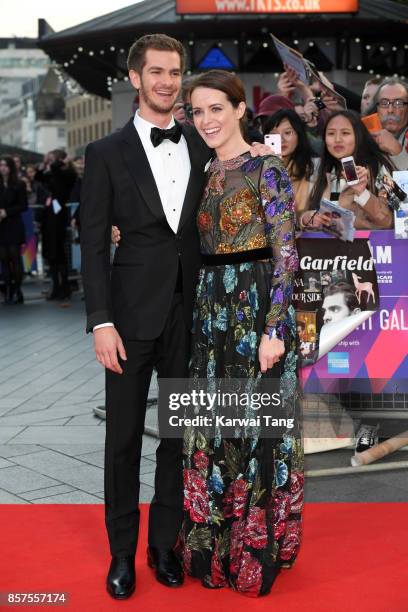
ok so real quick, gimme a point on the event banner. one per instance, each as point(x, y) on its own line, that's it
point(29, 249)
point(355, 331)
point(335, 291)
point(215, 7)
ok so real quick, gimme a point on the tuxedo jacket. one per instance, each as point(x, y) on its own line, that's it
point(136, 291)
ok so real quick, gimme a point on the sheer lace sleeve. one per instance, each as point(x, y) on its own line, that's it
point(279, 208)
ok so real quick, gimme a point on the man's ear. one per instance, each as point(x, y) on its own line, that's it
point(135, 78)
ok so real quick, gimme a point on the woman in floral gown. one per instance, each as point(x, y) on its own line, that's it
point(243, 495)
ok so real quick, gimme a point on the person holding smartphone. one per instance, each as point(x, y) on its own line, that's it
point(345, 136)
point(296, 154)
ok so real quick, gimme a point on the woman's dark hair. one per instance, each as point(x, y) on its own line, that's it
point(301, 159)
point(12, 178)
point(226, 82)
point(366, 153)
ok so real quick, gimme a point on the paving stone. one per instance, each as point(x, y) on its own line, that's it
point(9, 433)
point(96, 458)
point(13, 450)
point(62, 435)
point(148, 479)
point(75, 497)
point(146, 493)
point(76, 450)
point(147, 466)
point(47, 492)
point(11, 402)
point(49, 414)
point(149, 445)
point(18, 479)
point(66, 469)
point(9, 498)
point(84, 419)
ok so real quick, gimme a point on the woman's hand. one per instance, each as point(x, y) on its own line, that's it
point(362, 175)
point(258, 149)
point(286, 84)
point(311, 112)
point(269, 352)
point(115, 235)
point(313, 219)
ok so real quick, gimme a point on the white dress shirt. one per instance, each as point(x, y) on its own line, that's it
point(170, 165)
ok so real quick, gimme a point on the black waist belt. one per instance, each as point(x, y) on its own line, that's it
point(223, 259)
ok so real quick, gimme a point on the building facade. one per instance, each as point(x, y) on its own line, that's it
point(36, 121)
point(87, 118)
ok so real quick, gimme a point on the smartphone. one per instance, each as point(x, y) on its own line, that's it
point(275, 142)
point(320, 105)
point(350, 171)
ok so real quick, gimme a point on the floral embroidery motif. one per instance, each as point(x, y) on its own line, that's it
point(244, 496)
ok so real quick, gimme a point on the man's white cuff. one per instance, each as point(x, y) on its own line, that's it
point(363, 198)
point(103, 325)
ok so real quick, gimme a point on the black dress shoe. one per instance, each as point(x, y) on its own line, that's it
point(121, 579)
point(168, 568)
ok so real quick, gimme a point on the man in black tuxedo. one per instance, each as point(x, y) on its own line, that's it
point(147, 179)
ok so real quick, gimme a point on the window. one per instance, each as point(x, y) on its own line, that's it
point(61, 132)
point(79, 111)
point(91, 132)
point(73, 113)
point(68, 114)
point(102, 129)
point(102, 104)
point(69, 139)
point(79, 137)
point(73, 138)
point(85, 130)
point(84, 109)
point(96, 130)
point(89, 106)
point(96, 105)
point(109, 126)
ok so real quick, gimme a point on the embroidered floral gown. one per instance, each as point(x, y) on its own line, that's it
point(243, 496)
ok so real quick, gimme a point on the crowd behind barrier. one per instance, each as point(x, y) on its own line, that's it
point(40, 228)
point(39, 204)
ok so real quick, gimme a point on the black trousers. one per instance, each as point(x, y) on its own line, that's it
point(12, 265)
point(126, 396)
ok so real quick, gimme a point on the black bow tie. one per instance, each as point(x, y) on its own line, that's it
point(157, 135)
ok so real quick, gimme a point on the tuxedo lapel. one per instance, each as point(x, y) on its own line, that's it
point(196, 180)
point(138, 165)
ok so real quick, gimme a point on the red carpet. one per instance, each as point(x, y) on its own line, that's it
point(354, 557)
